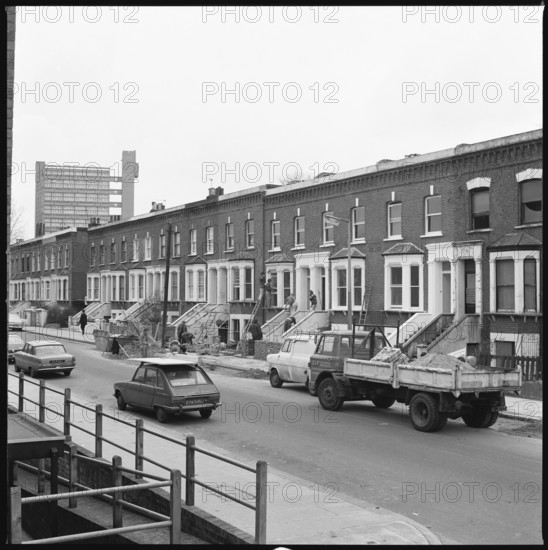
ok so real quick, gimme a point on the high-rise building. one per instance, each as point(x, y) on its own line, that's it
point(71, 196)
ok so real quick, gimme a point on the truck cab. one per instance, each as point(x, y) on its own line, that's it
point(335, 345)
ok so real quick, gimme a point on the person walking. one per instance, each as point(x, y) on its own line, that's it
point(313, 301)
point(256, 331)
point(290, 304)
point(289, 322)
point(83, 322)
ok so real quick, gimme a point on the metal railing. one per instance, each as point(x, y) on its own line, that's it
point(115, 492)
point(260, 470)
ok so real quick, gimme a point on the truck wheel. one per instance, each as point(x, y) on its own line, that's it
point(328, 394)
point(480, 417)
point(424, 414)
point(275, 380)
point(383, 402)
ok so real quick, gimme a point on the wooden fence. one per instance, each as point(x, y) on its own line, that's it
point(531, 367)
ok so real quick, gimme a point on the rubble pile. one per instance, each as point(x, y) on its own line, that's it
point(442, 361)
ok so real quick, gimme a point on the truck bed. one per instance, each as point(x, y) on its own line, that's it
point(434, 379)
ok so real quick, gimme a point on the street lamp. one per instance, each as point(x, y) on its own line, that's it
point(335, 221)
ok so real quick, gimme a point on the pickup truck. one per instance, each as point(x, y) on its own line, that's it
point(435, 390)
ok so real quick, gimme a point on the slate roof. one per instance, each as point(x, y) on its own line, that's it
point(343, 253)
point(282, 258)
point(516, 240)
point(403, 248)
point(195, 260)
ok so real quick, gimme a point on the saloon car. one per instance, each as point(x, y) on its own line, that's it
point(14, 344)
point(43, 356)
point(291, 363)
point(168, 387)
point(15, 322)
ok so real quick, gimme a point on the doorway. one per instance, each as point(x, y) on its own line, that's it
point(446, 287)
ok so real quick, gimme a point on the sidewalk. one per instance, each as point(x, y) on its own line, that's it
point(518, 408)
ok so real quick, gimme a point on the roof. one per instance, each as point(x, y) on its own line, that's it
point(44, 343)
point(164, 361)
point(403, 248)
point(343, 253)
point(516, 240)
point(345, 332)
point(195, 260)
point(281, 258)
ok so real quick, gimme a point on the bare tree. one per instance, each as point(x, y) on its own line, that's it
point(17, 225)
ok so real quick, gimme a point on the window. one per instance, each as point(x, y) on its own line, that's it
point(396, 285)
point(273, 285)
point(162, 243)
point(122, 280)
point(123, 252)
point(433, 214)
point(132, 287)
point(341, 287)
point(193, 242)
point(102, 254)
point(394, 220)
point(141, 287)
point(210, 243)
point(531, 201)
point(327, 229)
point(357, 286)
point(530, 284)
point(235, 283)
point(479, 200)
point(148, 247)
point(235, 329)
point(299, 231)
point(275, 232)
point(287, 284)
point(190, 285)
point(59, 252)
point(358, 223)
point(135, 251)
point(504, 350)
point(250, 233)
point(174, 286)
point(112, 253)
point(66, 256)
point(229, 236)
point(201, 286)
point(248, 283)
point(415, 285)
point(505, 285)
point(96, 289)
point(176, 244)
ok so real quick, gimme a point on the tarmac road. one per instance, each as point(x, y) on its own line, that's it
point(467, 486)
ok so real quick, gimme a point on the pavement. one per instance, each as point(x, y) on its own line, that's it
point(298, 512)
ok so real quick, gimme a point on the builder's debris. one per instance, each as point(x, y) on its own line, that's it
point(442, 361)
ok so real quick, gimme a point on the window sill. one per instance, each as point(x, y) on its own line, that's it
point(487, 230)
point(275, 250)
point(433, 234)
point(228, 250)
point(327, 245)
point(400, 238)
point(250, 247)
point(298, 247)
point(193, 254)
point(527, 226)
point(209, 253)
point(360, 241)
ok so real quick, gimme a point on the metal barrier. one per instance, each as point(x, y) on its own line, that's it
point(173, 520)
point(260, 470)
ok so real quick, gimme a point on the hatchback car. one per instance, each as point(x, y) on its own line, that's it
point(14, 344)
point(42, 356)
point(167, 387)
point(15, 322)
point(291, 363)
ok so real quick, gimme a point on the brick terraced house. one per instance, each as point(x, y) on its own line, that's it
point(447, 244)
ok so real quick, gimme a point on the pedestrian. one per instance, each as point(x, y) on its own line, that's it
point(268, 292)
point(187, 338)
point(144, 342)
point(83, 322)
point(313, 300)
point(181, 329)
point(289, 301)
point(256, 331)
point(262, 280)
point(289, 322)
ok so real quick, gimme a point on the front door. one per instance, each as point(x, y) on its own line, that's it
point(470, 286)
point(446, 287)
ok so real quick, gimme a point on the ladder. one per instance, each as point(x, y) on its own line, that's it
point(253, 313)
point(365, 305)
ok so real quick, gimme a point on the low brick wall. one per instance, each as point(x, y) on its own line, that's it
point(263, 348)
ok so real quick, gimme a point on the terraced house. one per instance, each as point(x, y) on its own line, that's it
point(446, 244)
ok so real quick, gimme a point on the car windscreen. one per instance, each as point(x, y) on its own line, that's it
point(186, 376)
point(42, 351)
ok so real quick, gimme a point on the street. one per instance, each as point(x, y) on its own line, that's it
point(466, 485)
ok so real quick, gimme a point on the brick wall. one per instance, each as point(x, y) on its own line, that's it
point(263, 348)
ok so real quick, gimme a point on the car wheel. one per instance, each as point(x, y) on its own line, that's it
point(161, 415)
point(121, 402)
point(66, 373)
point(17, 369)
point(329, 395)
point(206, 413)
point(275, 380)
point(424, 413)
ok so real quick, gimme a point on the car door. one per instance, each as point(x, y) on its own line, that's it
point(22, 358)
point(300, 357)
point(132, 390)
point(284, 358)
point(148, 388)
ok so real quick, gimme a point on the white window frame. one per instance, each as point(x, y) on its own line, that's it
point(162, 245)
point(275, 235)
point(326, 227)
point(176, 244)
point(148, 247)
point(192, 242)
point(356, 224)
point(135, 250)
point(229, 233)
point(391, 220)
point(299, 232)
point(210, 239)
point(405, 261)
point(250, 235)
point(428, 216)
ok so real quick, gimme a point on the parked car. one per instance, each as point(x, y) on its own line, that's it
point(169, 386)
point(15, 343)
point(291, 363)
point(15, 322)
point(42, 356)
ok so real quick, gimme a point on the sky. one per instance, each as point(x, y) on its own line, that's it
point(245, 96)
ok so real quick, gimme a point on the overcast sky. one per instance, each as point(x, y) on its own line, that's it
point(250, 96)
